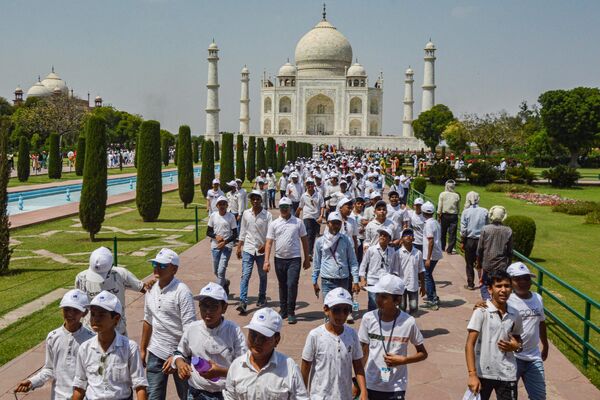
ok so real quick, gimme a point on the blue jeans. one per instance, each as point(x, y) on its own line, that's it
point(485, 294)
point(157, 381)
point(271, 198)
point(532, 373)
point(220, 261)
point(197, 394)
point(248, 261)
point(430, 282)
point(328, 285)
point(288, 274)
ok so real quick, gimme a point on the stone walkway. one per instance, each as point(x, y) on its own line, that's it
point(441, 377)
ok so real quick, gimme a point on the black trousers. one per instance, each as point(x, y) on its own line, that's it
point(470, 258)
point(312, 231)
point(505, 390)
point(449, 226)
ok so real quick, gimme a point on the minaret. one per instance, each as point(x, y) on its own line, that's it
point(407, 129)
point(429, 78)
point(212, 93)
point(245, 103)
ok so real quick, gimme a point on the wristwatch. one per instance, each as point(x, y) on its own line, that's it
point(520, 348)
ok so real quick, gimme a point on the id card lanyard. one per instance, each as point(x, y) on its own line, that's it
point(386, 349)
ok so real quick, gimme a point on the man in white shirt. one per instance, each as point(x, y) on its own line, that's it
point(283, 182)
point(168, 308)
point(312, 208)
point(432, 253)
point(288, 233)
point(222, 229)
point(416, 221)
point(251, 249)
point(212, 195)
point(380, 221)
point(412, 271)
point(294, 191)
point(331, 197)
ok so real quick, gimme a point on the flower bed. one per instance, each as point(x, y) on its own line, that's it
point(541, 199)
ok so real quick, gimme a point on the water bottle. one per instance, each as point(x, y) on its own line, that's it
point(202, 366)
point(355, 306)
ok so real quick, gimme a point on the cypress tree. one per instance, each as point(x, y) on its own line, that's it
point(200, 144)
point(5, 250)
point(80, 159)
point(240, 166)
point(23, 162)
point(251, 161)
point(196, 150)
point(280, 159)
point(208, 166)
point(271, 156)
point(149, 178)
point(227, 171)
point(164, 150)
point(216, 150)
point(261, 162)
point(185, 166)
point(54, 158)
point(289, 150)
point(92, 206)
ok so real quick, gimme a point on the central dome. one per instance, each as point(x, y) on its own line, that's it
point(323, 52)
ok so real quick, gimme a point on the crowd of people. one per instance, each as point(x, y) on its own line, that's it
point(337, 218)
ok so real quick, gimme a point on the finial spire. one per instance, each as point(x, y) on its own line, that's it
point(324, 12)
point(53, 69)
point(288, 59)
point(39, 79)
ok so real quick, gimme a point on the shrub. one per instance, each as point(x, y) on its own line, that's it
point(216, 150)
point(23, 168)
point(5, 249)
point(561, 176)
point(149, 178)
point(54, 157)
point(289, 150)
point(240, 167)
point(271, 156)
point(195, 150)
point(523, 233)
point(92, 206)
point(481, 173)
point(208, 166)
point(80, 159)
point(593, 217)
point(280, 158)
point(420, 184)
point(509, 188)
point(251, 161)
point(520, 175)
point(164, 150)
point(260, 155)
point(227, 172)
point(577, 208)
point(185, 166)
point(440, 172)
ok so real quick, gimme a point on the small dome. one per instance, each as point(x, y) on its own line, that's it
point(98, 98)
point(287, 69)
point(410, 71)
point(245, 70)
point(53, 81)
point(430, 46)
point(38, 90)
point(356, 70)
point(18, 90)
point(213, 46)
point(56, 90)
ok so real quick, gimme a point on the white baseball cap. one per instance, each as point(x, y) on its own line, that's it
point(309, 180)
point(108, 301)
point(374, 195)
point(270, 170)
point(418, 201)
point(387, 230)
point(255, 193)
point(212, 290)
point(334, 216)
point(344, 201)
point(518, 269)
point(293, 175)
point(265, 321)
point(232, 183)
point(285, 201)
point(337, 296)
point(222, 198)
point(216, 181)
point(388, 283)
point(428, 207)
point(75, 298)
point(166, 256)
point(101, 261)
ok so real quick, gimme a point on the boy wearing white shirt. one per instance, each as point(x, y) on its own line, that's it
point(62, 345)
point(380, 221)
point(432, 253)
point(412, 271)
point(416, 221)
point(312, 208)
point(222, 229)
point(212, 195)
point(283, 182)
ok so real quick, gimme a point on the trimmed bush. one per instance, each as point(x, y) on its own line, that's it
point(561, 176)
point(227, 172)
point(5, 249)
point(440, 172)
point(216, 151)
point(240, 166)
point(164, 150)
point(251, 161)
point(509, 188)
point(23, 168)
point(481, 173)
point(271, 156)
point(577, 208)
point(92, 206)
point(280, 159)
point(80, 159)
point(54, 157)
point(289, 150)
point(523, 233)
point(149, 178)
point(208, 166)
point(185, 166)
point(200, 144)
point(521, 175)
point(195, 151)
point(593, 217)
point(261, 162)
point(419, 184)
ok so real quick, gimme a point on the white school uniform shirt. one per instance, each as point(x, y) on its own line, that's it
point(168, 311)
point(432, 230)
point(222, 345)
point(358, 218)
point(379, 334)
point(416, 223)
point(377, 261)
point(61, 353)
point(532, 313)
point(222, 225)
point(121, 370)
point(311, 205)
point(371, 234)
point(279, 379)
point(331, 357)
point(397, 188)
point(397, 214)
point(294, 191)
point(237, 201)
point(287, 234)
point(117, 281)
point(271, 182)
point(283, 182)
point(253, 230)
point(409, 265)
point(213, 195)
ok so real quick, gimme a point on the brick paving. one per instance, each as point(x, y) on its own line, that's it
point(441, 377)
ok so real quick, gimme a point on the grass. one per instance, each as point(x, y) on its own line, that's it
point(566, 247)
point(586, 173)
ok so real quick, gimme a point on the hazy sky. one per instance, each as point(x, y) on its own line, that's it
point(149, 56)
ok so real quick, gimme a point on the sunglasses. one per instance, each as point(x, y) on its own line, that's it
point(156, 264)
point(103, 366)
point(284, 206)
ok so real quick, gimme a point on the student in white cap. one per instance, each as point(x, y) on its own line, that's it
point(102, 275)
point(432, 253)
point(369, 212)
point(237, 201)
point(213, 340)
point(397, 187)
point(251, 249)
point(168, 308)
point(332, 351)
point(380, 221)
point(263, 372)
point(62, 345)
point(412, 271)
point(282, 184)
point(416, 222)
point(271, 187)
point(222, 229)
point(109, 365)
point(472, 221)
point(385, 334)
point(212, 195)
point(294, 191)
point(331, 192)
point(312, 207)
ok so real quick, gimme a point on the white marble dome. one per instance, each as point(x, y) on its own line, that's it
point(410, 71)
point(323, 52)
point(357, 70)
point(430, 46)
point(287, 69)
point(39, 90)
point(53, 81)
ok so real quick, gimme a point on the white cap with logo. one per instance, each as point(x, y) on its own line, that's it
point(428, 208)
point(101, 261)
point(418, 201)
point(334, 216)
point(75, 298)
point(338, 296)
point(166, 256)
point(388, 283)
point(108, 301)
point(216, 181)
point(285, 201)
point(212, 290)
point(265, 321)
point(518, 269)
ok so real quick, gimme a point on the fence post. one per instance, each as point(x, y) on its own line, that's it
point(586, 333)
point(115, 252)
point(197, 224)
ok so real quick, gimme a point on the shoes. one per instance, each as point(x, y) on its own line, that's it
point(431, 305)
point(241, 308)
point(261, 303)
point(226, 287)
point(469, 287)
point(283, 314)
point(292, 319)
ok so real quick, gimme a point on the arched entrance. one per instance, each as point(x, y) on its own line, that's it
point(355, 127)
point(267, 127)
point(285, 127)
point(320, 116)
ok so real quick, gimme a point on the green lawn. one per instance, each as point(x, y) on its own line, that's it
point(586, 173)
point(565, 246)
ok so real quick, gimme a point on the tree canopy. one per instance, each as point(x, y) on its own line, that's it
point(430, 125)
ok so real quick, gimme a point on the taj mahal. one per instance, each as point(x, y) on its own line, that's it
point(324, 97)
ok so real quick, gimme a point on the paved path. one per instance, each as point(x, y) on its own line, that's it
point(441, 377)
point(31, 307)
